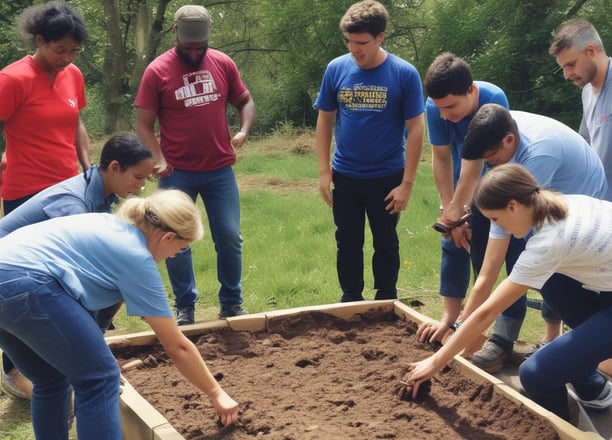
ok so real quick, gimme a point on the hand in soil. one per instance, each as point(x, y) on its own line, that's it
point(404, 391)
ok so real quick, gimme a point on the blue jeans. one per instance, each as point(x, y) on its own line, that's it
point(573, 357)
point(219, 193)
point(8, 206)
point(454, 269)
point(55, 342)
point(354, 199)
point(455, 262)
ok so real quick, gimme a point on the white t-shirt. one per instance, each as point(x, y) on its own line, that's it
point(580, 247)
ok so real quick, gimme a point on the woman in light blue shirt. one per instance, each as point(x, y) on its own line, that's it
point(53, 274)
point(125, 163)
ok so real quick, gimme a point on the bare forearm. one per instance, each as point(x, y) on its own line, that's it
point(468, 179)
point(188, 361)
point(81, 142)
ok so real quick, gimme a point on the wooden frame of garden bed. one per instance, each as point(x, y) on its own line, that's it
point(141, 420)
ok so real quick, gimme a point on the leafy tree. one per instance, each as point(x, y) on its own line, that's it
point(11, 42)
point(507, 43)
point(283, 46)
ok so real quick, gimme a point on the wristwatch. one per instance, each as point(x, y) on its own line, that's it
point(456, 325)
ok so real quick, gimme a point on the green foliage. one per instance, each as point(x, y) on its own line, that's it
point(507, 43)
point(12, 46)
point(282, 48)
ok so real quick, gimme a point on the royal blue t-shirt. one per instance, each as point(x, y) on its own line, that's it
point(373, 106)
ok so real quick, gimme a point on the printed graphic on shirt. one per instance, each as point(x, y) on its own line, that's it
point(363, 97)
point(199, 89)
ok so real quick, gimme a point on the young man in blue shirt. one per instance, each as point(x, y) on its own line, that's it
point(453, 99)
point(372, 98)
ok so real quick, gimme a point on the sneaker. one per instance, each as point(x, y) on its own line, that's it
point(16, 384)
point(491, 358)
point(535, 347)
point(235, 310)
point(603, 401)
point(185, 315)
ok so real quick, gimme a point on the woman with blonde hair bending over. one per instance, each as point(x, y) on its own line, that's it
point(53, 274)
point(570, 252)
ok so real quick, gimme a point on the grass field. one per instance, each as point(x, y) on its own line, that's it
point(289, 247)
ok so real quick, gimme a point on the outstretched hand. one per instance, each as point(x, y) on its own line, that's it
point(432, 331)
point(419, 375)
point(226, 407)
point(404, 391)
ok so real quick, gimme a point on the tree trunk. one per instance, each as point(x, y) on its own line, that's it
point(157, 30)
point(141, 40)
point(114, 68)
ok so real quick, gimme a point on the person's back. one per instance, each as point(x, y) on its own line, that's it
point(558, 156)
point(63, 199)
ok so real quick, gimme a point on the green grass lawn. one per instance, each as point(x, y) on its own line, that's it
point(289, 248)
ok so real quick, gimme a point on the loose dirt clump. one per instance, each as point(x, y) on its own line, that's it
point(314, 376)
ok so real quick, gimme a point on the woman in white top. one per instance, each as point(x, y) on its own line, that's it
point(572, 239)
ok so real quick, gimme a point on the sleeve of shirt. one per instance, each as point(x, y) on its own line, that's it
point(80, 86)
point(62, 205)
point(414, 104)
point(538, 261)
point(326, 99)
point(147, 96)
point(438, 135)
point(12, 94)
point(501, 99)
point(143, 291)
point(543, 167)
point(237, 88)
point(496, 232)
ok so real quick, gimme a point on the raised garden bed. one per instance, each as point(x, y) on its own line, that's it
point(326, 372)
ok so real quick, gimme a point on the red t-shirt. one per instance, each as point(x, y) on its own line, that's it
point(40, 123)
point(2, 168)
point(191, 108)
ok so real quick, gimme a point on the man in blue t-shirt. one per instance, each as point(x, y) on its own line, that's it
point(453, 99)
point(373, 98)
point(559, 159)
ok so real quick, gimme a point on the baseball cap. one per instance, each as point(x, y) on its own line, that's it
point(192, 23)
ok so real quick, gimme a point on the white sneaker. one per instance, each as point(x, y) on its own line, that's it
point(603, 401)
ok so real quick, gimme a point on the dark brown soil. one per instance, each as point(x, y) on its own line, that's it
point(314, 376)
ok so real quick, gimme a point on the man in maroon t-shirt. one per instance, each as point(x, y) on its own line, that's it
point(186, 90)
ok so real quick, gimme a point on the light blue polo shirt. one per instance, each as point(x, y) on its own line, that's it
point(558, 157)
point(77, 195)
point(98, 259)
point(596, 124)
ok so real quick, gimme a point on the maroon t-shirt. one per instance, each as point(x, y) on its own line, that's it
point(190, 103)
